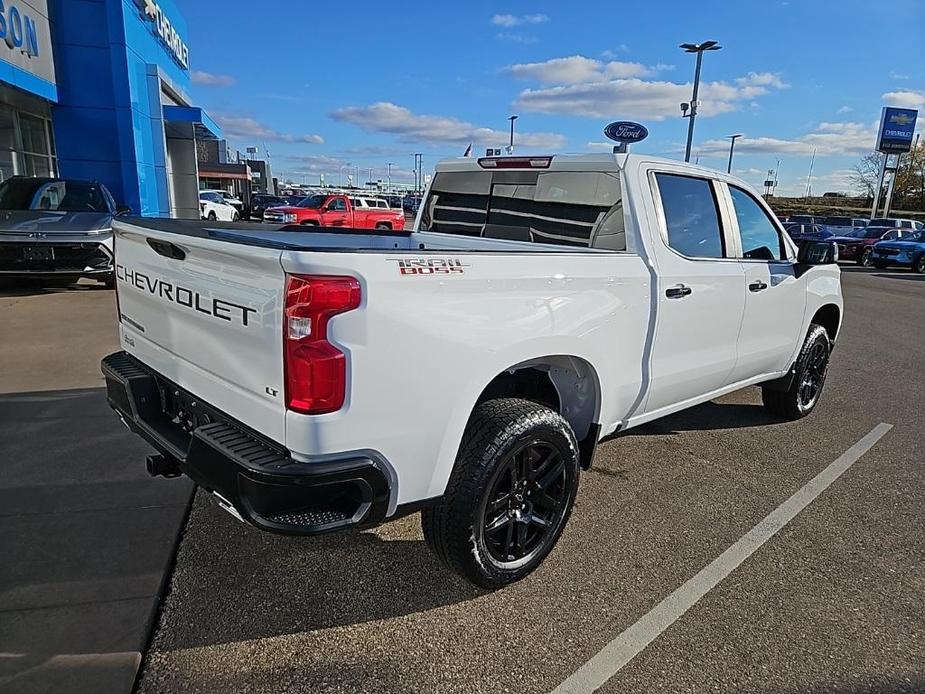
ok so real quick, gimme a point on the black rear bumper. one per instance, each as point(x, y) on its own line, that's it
point(256, 477)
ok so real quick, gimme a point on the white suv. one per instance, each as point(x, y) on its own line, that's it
point(213, 206)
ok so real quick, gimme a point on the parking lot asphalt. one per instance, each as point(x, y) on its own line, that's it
point(86, 536)
point(831, 603)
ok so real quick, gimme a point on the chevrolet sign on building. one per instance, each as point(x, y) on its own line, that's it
point(166, 32)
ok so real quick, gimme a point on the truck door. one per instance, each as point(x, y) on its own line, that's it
point(775, 299)
point(700, 290)
point(336, 213)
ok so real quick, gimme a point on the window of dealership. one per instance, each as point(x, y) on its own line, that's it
point(98, 90)
point(27, 143)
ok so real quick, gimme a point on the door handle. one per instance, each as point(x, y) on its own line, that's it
point(757, 286)
point(678, 292)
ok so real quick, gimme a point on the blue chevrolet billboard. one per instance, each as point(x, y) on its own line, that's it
point(897, 126)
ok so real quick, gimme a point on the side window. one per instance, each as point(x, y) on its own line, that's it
point(891, 235)
point(338, 205)
point(760, 240)
point(691, 216)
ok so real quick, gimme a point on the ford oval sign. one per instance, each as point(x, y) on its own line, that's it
point(626, 131)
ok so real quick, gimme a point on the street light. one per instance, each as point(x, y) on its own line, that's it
point(510, 147)
point(389, 179)
point(732, 144)
point(689, 110)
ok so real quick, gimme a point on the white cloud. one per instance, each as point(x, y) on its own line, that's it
point(510, 20)
point(622, 48)
point(516, 37)
point(576, 69)
point(897, 76)
point(600, 146)
point(583, 87)
point(386, 117)
point(245, 127)
point(211, 80)
point(905, 98)
point(828, 139)
point(844, 109)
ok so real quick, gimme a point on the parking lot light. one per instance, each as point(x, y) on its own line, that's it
point(690, 110)
point(732, 144)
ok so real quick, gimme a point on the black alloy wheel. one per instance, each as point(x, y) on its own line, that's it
point(864, 260)
point(525, 504)
point(813, 376)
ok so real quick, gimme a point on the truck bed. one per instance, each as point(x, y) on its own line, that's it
point(338, 239)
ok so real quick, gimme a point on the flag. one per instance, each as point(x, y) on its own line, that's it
point(468, 152)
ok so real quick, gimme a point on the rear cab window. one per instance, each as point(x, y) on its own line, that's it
point(571, 208)
point(692, 218)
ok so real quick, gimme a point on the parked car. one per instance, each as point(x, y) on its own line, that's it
point(806, 232)
point(229, 198)
point(335, 211)
point(261, 201)
point(56, 229)
point(804, 219)
point(839, 225)
point(857, 245)
point(335, 380)
point(411, 204)
point(213, 206)
point(908, 251)
point(899, 223)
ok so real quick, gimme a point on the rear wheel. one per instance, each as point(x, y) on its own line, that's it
point(509, 495)
point(811, 369)
point(865, 258)
point(211, 217)
point(383, 226)
point(235, 217)
point(919, 265)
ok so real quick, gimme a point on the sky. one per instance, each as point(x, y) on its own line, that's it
point(363, 84)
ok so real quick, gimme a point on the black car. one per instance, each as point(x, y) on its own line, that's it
point(262, 201)
point(56, 229)
point(806, 231)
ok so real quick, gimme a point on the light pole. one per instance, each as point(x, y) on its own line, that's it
point(732, 146)
point(345, 166)
point(689, 110)
point(418, 162)
point(510, 147)
point(388, 184)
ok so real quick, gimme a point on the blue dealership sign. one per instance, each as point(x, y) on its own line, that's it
point(897, 127)
point(626, 131)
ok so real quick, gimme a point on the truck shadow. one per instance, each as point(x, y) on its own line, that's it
point(234, 583)
point(710, 415)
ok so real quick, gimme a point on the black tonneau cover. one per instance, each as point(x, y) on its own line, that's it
point(270, 235)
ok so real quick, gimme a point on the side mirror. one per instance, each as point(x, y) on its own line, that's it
point(817, 253)
point(122, 210)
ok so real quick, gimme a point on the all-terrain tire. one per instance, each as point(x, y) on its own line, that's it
point(794, 403)
point(500, 433)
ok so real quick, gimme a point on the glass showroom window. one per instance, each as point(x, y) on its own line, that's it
point(37, 158)
point(26, 145)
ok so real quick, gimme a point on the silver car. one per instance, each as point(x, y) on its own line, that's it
point(56, 230)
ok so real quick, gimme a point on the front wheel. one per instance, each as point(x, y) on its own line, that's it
point(864, 260)
point(235, 217)
point(211, 217)
point(919, 265)
point(812, 366)
point(509, 495)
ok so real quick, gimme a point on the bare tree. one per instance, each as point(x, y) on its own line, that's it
point(866, 173)
point(909, 187)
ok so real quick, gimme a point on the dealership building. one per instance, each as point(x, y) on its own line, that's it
point(97, 89)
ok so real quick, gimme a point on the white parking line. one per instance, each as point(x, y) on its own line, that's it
point(631, 642)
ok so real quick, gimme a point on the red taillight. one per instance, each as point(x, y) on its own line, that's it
point(315, 370)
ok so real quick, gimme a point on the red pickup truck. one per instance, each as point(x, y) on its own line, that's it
point(335, 211)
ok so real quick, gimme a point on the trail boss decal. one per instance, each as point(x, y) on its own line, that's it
point(190, 298)
point(429, 266)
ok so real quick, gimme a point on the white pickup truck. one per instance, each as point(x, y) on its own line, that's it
point(327, 379)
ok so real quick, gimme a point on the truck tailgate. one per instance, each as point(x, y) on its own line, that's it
point(206, 314)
